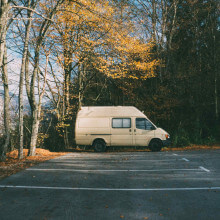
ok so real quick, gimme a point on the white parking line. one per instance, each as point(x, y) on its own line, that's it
point(111, 189)
point(106, 156)
point(77, 170)
point(175, 154)
point(185, 159)
point(203, 168)
point(110, 161)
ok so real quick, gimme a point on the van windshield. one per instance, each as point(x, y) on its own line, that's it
point(144, 124)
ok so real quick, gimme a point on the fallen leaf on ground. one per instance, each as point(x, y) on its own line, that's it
point(13, 165)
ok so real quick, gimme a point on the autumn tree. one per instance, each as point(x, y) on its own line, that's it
point(97, 38)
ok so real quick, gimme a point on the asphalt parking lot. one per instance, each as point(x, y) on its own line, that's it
point(125, 185)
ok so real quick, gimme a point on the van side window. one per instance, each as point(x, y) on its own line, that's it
point(121, 122)
point(144, 124)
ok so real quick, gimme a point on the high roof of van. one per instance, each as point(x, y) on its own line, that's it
point(110, 111)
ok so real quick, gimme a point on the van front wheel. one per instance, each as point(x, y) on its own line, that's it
point(155, 145)
point(99, 146)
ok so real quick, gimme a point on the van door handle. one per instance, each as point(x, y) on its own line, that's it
point(134, 130)
point(130, 129)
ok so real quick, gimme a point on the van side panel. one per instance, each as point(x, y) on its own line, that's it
point(89, 129)
point(93, 123)
point(143, 137)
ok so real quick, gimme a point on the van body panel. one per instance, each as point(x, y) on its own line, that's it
point(143, 137)
point(121, 137)
point(94, 123)
point(90, 128)
point(109, 111)
point(160, 133)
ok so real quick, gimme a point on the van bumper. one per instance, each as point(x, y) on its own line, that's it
point(166, 142)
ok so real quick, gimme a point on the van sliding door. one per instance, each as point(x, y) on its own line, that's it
point(121, 132)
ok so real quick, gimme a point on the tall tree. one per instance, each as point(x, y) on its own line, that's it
point(5, 81)
point(4, 11)
point(31, 5)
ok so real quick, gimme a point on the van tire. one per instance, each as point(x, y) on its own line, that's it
point(155, 145)
point(99, 146)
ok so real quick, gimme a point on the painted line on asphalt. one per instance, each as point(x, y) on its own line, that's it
point(77, 170)
point(203, 168)
point(110, 189)
point(107, 155)
point(175, 154)
point(103, 157)
point(111, 161)
point(185, 159)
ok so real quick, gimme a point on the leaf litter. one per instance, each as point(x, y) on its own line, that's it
point(13, 165)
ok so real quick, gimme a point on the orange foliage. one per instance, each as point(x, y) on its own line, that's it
point(39, 152)
point(92, 34)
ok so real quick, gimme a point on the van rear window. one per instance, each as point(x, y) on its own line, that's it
point(121, 122)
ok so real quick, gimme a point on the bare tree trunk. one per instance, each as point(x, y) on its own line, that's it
point(163, 21)
point(4, 9)
point(67, 69)
point(216, 83)
point(175, 3)
point(67, 77)
point(216, 98)
point(37, 114)
point(4, 148)
point(80, 99)
point(21, 128)
point(34, 108)
point(21, 84)
point(171, 33)
point(34, 132)
point(154, 20)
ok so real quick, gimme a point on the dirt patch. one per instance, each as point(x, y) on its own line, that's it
point(13, 164)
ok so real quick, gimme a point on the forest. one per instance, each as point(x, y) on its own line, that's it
point(161, 56)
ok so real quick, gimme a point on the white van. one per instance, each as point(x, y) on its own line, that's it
point(104, 126)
